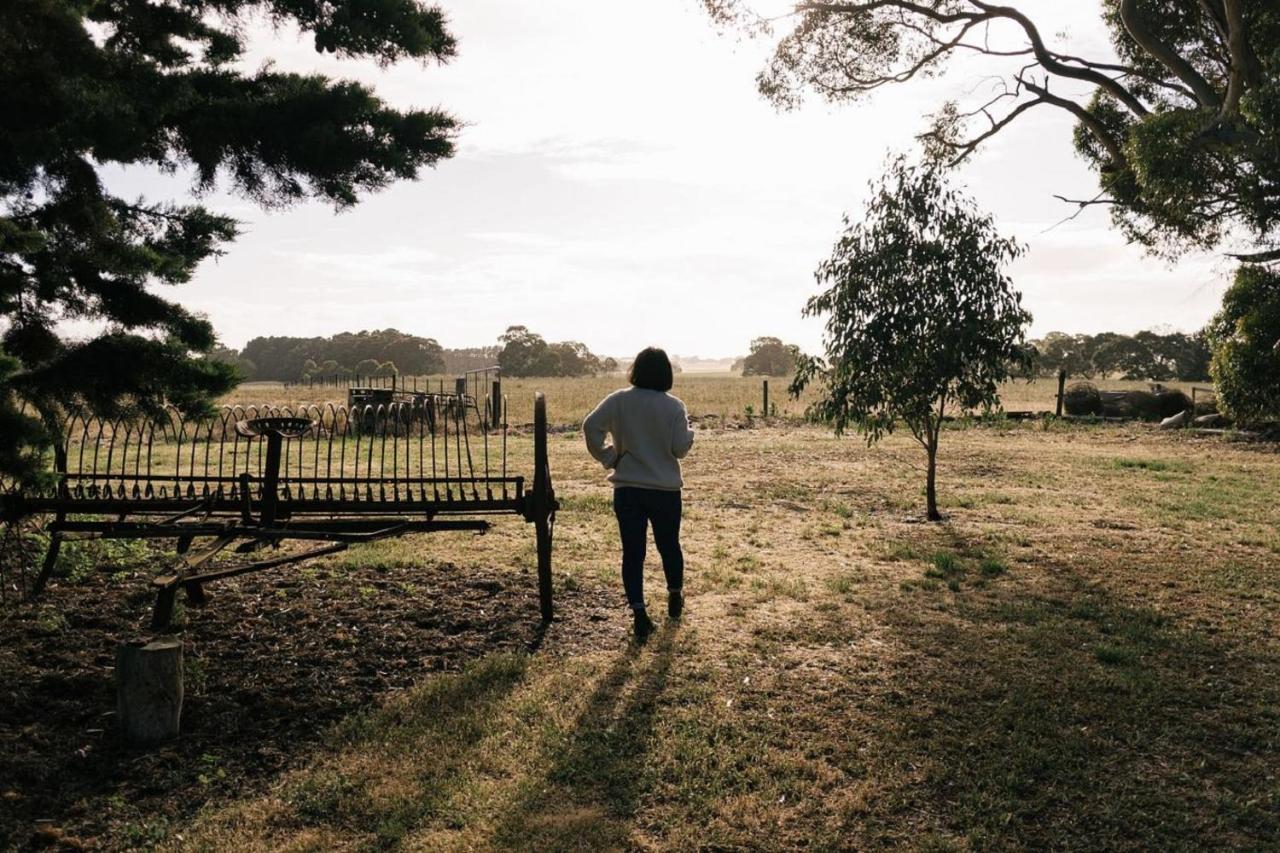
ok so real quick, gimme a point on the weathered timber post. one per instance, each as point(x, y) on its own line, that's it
point(764, 412)
point(495, 401)
point(149, 690)
point(271, 477)
point(460, 387)
point(1062, 384)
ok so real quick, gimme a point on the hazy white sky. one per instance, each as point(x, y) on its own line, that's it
point(620, 182)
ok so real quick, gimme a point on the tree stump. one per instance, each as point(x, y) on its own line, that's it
point(149, 690)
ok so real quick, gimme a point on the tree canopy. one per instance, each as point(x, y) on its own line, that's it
point(1181, 124)
point(290, 358)
point(921, 316)
point(99, 84)
point(1145, 355)
point(769, 356)
point(1246, 346)
point(526, 353)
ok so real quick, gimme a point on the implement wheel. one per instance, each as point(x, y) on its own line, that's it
point(544, 504)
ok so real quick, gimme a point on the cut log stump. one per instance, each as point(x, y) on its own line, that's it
point(149, 690)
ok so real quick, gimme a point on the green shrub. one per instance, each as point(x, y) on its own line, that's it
point(1245, 336)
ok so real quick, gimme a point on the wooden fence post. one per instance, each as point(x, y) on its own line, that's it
point(495, 402)
point(765, 411)
point(1062, 384)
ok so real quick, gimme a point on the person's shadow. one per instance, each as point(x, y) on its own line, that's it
point(598, 774)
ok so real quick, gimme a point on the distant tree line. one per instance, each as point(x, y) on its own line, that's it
point(526, 353)
point(1145, 355)
point(389, 352)
point(370, 353)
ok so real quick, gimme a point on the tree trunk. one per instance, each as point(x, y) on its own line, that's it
point(149, 690)
point(931, 481)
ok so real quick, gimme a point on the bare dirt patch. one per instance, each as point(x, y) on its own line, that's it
point(272, 663)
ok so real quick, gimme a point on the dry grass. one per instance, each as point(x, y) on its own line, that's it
point(1081, 657)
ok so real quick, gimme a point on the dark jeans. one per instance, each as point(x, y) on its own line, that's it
point(636, 509)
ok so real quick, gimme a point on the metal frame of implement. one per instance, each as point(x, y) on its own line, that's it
point(253, 477)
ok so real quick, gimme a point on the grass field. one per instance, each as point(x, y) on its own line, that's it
point(706, 394)
point(1083, 656)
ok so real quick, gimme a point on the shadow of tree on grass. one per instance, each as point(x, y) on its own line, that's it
point(1066, 719)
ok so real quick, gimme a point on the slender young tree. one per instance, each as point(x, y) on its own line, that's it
point(921, 316)
point(89, 85)
point(1181, 121)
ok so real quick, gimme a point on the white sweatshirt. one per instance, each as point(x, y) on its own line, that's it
point(651, 435)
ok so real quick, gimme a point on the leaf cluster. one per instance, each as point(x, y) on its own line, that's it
point(91, 84)
point(1245, 336)
point(1181, 123)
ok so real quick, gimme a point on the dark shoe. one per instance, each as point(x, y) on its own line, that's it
point(675, 604)
point(644, 627)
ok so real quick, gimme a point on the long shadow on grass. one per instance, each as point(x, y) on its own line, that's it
point(419, 746)
point(598, 774)
point(1066, 720)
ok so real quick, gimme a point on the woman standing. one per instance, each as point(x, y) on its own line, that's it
point(651, 434)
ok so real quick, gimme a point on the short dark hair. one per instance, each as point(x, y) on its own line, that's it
point(652, 370)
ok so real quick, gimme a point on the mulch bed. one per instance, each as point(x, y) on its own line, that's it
point(273, 662)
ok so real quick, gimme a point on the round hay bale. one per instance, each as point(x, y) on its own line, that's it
point(1169, 403)
point(1144, 405)
point(1082, 398)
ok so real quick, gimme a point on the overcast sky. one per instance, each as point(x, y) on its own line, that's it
point(621, 182)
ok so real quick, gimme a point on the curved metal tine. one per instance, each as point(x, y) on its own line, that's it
point(312, 414)
point(192, 429)
point(431, 404)
point(445, 414)
point(466, 436)
point(342, 455)
point(459, 423)
point(357, 416)
point(395, 452)
point(139, 433)
point(484, 427)
point(224, 418)
point(84, 441)
point(142, 485)
point(328, 465)
point(392, 431)
point(122, 458)
point(96, 432)
point(206, 488)
point(236, 415)
point(374, 412)
point(384, 418)
point(420, 427)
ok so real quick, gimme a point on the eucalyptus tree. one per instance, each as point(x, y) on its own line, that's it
point(91, 87)
point(1180, 120)
point(1246, 346)
point(921, 317)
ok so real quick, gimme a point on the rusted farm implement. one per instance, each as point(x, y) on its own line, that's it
point(252, 477)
